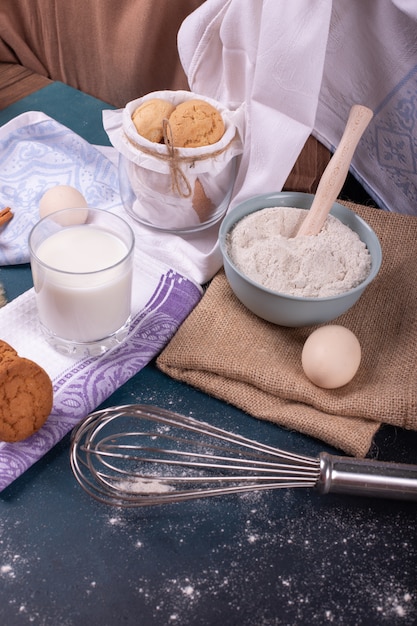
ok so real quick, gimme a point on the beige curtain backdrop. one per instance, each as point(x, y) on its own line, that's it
point(116, 51)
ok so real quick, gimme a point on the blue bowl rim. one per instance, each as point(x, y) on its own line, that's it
point(231, 219)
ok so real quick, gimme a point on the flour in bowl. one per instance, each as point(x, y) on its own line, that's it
point(263, 246)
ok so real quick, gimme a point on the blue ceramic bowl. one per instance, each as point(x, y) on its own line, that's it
point(288, 310)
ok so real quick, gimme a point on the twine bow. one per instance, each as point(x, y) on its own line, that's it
point(177, 175)
point(180, 182)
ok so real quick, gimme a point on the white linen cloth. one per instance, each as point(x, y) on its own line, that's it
point(285, 58)
point(36, 153)
point(371, 58)
point(270, 55)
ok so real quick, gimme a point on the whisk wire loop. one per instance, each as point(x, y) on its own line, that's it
point(173, 458)
point(161, 463)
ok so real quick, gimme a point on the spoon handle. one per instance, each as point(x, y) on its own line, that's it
point(336, 171)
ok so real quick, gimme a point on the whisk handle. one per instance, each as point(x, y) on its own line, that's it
point(366, 477)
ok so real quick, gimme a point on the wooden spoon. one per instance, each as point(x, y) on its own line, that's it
point(336, 171)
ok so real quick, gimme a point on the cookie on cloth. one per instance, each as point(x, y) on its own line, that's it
point(25, 396)
point(148, 118)
point(195, 123)
point(6, 352)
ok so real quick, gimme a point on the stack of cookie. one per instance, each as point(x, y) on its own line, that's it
point(25, 395)
point(192, 124)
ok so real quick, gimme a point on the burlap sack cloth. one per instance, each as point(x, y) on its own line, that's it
point(228, 352)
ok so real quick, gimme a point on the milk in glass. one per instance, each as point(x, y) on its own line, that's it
point(83, 283)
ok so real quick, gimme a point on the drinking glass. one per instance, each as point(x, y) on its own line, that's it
point(82, 267)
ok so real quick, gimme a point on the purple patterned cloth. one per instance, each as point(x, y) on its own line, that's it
point(83, 385)
point(37, 152)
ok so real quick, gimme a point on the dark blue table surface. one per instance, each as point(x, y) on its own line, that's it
point(264, 559)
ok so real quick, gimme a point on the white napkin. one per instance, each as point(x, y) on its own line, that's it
point(371, 59)
point(281, 57)
point(36, 153)
point(269, 54)
point(162, 297)
point(298, 67)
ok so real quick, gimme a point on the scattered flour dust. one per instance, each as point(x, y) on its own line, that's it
point(142, 486)
point(263, 246)
point(378, 596)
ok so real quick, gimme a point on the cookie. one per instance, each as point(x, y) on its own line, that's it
point(25, 398)
point(7, 353)
point(148, 118)
point(195, 123)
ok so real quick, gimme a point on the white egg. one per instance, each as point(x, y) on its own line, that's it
point(331, 356)
point(64, 197)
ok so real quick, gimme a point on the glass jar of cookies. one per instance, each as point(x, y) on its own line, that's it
point(177, 159)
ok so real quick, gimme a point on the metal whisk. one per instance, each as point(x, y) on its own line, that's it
point(138, 455)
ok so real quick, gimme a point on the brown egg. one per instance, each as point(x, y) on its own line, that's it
point(331, 356)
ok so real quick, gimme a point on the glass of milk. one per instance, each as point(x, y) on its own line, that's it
point(82, 266)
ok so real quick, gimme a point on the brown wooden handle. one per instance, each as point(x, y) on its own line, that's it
point(336, 171)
